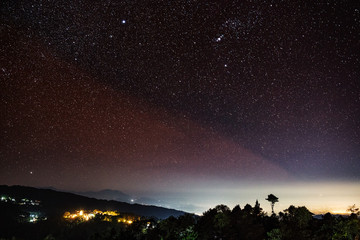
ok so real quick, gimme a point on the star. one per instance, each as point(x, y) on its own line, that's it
point(218, 39)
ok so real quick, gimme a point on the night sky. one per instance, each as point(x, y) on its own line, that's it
point(194, 102)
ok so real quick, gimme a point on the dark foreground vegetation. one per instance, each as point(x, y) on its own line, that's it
point(33, 218)
point(216, 223)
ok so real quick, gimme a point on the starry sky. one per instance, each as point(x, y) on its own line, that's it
point(196, 102)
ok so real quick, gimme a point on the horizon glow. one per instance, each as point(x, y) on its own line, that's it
point(318, 197)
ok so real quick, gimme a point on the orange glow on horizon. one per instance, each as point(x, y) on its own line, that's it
point(342, 212)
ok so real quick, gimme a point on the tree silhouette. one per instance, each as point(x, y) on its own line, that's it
point(273, 199)
point(353, 209)
point(257, 210)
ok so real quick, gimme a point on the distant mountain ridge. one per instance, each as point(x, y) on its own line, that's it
point(57, 202)
point(107, 194)
point(116, 195)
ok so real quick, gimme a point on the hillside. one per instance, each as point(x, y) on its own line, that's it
point(55, 202)
point(106, 194)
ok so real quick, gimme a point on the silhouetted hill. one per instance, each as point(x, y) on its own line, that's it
point(321, 216)
point(107, 194)
point(56, 202)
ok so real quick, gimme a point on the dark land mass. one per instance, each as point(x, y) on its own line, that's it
point(106, 194)
point(109, 194)
point(55, 203)
point(32, 214)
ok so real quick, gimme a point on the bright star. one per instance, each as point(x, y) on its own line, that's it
point(218, 39)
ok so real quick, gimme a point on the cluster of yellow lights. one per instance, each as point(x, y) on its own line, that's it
point(79, 215)
point(86, 215)
point(125, 221)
